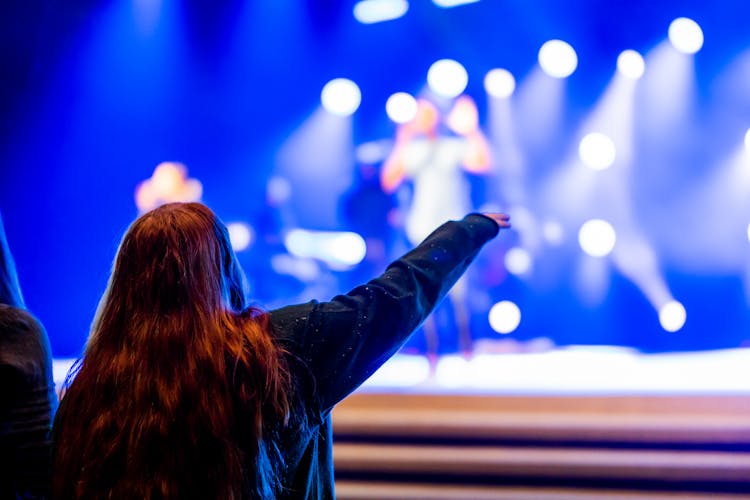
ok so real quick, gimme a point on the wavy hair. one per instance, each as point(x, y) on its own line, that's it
point(180, 384)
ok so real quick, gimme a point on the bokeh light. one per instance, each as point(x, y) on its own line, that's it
point(401, 107)
point(597, 151)
point(240, 235)
point(597, 237)
point(685, 35)
point(553, 232)
point(558, 59)
point(499, 83)
point(338, 249)
point(518, 261)
point(447, 78)
point(341, 97)
point(376, 11)
point(672, 316)
point(504, 317)
point(631, 64)
point(452, 3)
point(278, 190)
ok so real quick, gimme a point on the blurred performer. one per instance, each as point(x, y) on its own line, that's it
point(168, 183)
point(436, 165)
point(27, 391)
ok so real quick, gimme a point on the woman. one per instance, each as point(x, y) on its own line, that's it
point(185, 392)
point(27, 390)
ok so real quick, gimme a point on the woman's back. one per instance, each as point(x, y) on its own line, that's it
point(185, 393)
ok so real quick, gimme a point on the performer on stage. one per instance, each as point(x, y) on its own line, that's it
point(186, 392)
point(436, 163)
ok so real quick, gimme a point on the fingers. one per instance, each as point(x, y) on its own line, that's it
point(502, 220)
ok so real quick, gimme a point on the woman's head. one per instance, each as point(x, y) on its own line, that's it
point(174, 258)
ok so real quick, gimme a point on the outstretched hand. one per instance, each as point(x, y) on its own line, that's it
point(502, 220)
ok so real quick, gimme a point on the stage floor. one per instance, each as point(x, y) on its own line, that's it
point(575, 370)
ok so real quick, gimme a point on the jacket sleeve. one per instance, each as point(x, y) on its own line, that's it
point(347, 339)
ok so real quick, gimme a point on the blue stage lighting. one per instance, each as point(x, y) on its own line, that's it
point(631, 64)
point(401, 107)
point(341, 97)
point(597, 237)
point(447, 78)
point(685, 35)
point(558, 59)
point(499, 83)
point(376, 11)
point(504, 317)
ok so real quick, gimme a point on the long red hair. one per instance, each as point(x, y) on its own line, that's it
point(180, 382)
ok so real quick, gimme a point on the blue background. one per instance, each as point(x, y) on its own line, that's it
point(94, 95)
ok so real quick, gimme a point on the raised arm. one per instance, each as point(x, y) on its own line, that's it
point(345, 340)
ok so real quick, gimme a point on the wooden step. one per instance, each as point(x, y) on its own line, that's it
point(636, 466)
point(371, 490)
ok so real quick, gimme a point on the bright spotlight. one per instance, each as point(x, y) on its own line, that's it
point(748, 232)
point(747, 140)
point(518, 261)
point(685, 35)
point(240, 235)
point(447, 78)
point(504, 316)
point(401, 107)
point(558, 59)
point(376, 11)
point(597, 237)
point(672, 316)
point(499, 83)
point(597, 151)
point(452, 3)
point(631, 64)
point(341, 97)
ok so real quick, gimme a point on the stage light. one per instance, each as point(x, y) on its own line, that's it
point(685, 35)
point(499, 83)
point(558, 59)
point(341, 97)
point(452, 3)
point(278, 190)
point(401, 107)
point(447, 78)
point(346, 248)
point(747, 140)
point(597, 151)
point(339, 249)
point(504, 316)
point(597, 237)
point(518, 261)
point(553, 232)
point(672, 316)
point(376, 11)
point(631, 64)
point(240, 235)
